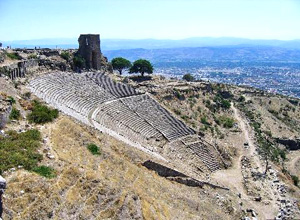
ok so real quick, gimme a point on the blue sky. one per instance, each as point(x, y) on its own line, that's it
point(160, 19)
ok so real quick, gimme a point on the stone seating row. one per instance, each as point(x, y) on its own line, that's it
point(206, 155)
point(120, 115)
point(148, 109)
point(73, 95)
point(115, 88)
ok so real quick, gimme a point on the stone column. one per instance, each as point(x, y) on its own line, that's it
point(2, 189)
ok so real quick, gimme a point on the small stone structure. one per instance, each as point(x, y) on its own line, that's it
point(2, 188)
point(89, 49)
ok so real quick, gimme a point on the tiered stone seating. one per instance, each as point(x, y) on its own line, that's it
point(148, 109)
point(117, 109)
point(73, 91)
point(118, 117)
point(190, 139)
point(205, 154)
point(115, 88)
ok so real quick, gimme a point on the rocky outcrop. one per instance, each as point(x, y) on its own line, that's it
point(5, 109)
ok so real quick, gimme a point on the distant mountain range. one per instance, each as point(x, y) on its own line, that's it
point(117, 44)
point(215, 54)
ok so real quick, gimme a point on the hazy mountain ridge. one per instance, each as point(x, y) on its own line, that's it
point(116, 44)
point(236, 53)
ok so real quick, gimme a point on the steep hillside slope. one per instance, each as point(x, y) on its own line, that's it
point(115, 185)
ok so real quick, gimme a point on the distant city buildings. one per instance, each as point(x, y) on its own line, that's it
point(277, 78)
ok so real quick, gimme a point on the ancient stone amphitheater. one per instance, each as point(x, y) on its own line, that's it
point(130, 116)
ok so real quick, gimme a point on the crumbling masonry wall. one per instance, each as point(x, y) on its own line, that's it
point(19, 69)
point(89, 49)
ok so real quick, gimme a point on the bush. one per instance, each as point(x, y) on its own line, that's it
point(26, 95)
point(45, 171)
point(65, 55)
point(14, 114)
point(179, 95)
point(14, 56)
point(282, 154)
point(225, 104)
point(188, 77)
point(221, 102)
point(241, 98)
point(20, 149)
point(204, 120)
point(177, 111)
point(32, 56)
point(41, 114)
point(11, 100)
point(79, 61)
point(295, 180)
point(94, 149)
point(226, 122)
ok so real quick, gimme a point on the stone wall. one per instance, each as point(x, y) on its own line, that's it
point(89, 49)
point(19, 69)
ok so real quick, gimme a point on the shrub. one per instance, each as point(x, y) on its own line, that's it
point(177, 111)
point(94, 149)
point(226, 122)
point(65, 55)
point(32, 56)
point(26, 95)
point(282, 154)
point(14, 114)
point(20, 149)
point(221, 102)
point(204, 120)
point(45, 171)
point(11, 99)
point(241, 98)
point(184, 117)
point(78, 61)
point(225, 104)
point(14, 56)
point(179, 95)
point(41, 114)
point(188, 77)
point(295, 180)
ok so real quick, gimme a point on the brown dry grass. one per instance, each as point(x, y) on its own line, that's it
point(111, 186)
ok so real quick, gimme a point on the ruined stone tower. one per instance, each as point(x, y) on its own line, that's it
point(89, 49)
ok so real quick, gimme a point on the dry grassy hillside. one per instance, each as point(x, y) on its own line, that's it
point(111, 186)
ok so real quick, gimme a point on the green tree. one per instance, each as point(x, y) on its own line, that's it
point(141, 66)
point(120, 63)
point(188, 77)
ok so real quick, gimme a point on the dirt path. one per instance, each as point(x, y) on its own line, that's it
point(248, 136)
point(232, 177)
